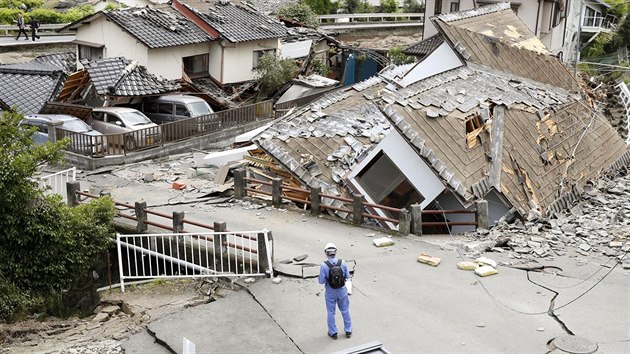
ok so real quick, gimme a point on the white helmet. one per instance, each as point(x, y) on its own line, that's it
point(330, 248)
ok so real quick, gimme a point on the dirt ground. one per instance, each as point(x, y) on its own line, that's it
point(119, 316)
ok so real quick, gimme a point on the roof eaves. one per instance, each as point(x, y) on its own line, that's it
point(460, 15)
point(80, 22)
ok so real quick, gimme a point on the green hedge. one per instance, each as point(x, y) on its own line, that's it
point(12, 302)
point(44, 15)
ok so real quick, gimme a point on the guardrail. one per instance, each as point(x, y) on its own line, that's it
point(122, 144)
point(343, 19)
point(44, 28)
point(408, 221)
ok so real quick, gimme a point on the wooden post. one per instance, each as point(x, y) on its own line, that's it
point(263, 262)
point(316, 200)
point(357, 209)
point(276, 192)
point(481, 215)
point(141, 216)
point(71, 193)
point(416, 219)
point(178, 222)
point(218, 245)
point(404, 223)
point(239, 184)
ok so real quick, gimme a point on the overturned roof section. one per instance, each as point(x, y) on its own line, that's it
point(122, 77)
point(28, 86)
point(502, 46)
point(236, 22)
point(424, 47)
point(156, 28)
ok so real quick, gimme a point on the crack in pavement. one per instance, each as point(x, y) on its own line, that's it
point(552, 302)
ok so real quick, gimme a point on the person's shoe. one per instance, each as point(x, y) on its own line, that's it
point(348, 334)
point(333, 336)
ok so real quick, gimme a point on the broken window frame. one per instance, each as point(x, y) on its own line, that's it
point(88, 52)
point(196, 65)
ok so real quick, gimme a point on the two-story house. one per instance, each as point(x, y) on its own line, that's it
point(555, 23)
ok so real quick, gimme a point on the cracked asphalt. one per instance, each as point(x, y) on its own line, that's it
point(407, 306)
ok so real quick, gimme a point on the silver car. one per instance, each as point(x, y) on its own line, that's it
point(126, 127)
point(86, 141)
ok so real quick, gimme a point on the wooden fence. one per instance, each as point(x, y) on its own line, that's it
point(408, 221)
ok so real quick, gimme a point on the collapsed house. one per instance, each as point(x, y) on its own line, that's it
point(28, 86)
point(487, 114)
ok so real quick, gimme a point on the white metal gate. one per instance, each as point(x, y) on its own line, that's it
point(58, 180)
point(624, 94)
point(194, 255)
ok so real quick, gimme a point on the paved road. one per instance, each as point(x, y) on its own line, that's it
point(44, 39)
point(408, 306)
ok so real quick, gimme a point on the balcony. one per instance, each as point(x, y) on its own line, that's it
point(599, 23)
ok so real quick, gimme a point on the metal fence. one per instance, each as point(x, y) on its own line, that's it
point(193, 255)
point(56, 182)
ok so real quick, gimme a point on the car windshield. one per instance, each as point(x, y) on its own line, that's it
point(76, 125)
point(135, 118)
point(199, 109)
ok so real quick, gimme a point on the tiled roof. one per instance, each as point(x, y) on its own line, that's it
point(156, 28)
point(322, 142)
point(29, 85)
point(237, 23)
point(208, 87)
point(425, 47)
point(496, 21)
point(122, 77)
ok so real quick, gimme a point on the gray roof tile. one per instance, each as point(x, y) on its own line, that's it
point(156, 28)
point(28, 86)
point(122, 77)
point(238, 23)
point(425, 47)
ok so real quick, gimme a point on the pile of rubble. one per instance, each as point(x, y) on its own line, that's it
point(599, 224)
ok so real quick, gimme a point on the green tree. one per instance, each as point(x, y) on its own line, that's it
point(298, 11)
point(45, 246)
point(389, 6)
point(30, 4)
point(273, 72)
point(78, 12)
point(398, 57)
point(599, 47)
point(622, 35)
point(412, 6)
point(322, 7)
point(618, 8)
point(357, 7)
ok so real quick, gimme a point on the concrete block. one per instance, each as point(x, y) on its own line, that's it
point(383, 242)
point(486, 261)
point(464, 265)
point(428, 259)
point(100, 317)
point(112, 309)
point(616, 244)
point(484, 271)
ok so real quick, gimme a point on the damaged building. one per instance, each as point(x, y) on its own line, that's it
point(486, 114)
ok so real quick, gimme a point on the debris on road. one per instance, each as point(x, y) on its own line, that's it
point(428, 259)
point(485, 271)
point(486, 261)
point(466, 265)
point(383, 242)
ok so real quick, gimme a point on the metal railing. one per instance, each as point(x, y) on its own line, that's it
point(283, 107)
point(608, 22)
point(357, 207)
point(193, 255)
point(370, 18)
point(624, 94)
point(56, 182)
point(121, 144)
point(7, 30)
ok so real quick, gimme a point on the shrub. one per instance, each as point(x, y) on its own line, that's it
point(398, 57)
point(273, 72)
point(299, 11)
point(78, 12)
point(12, 302)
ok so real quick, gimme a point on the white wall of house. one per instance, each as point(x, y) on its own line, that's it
point(429, 11)
point(167, 62)
point(441, 60)
point(118, 43)
point(233, 62)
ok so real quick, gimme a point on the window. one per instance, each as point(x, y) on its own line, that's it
point(181, 110)
point(387, 185)
point(99, 116)
point(90, 53)
point(196, 65)
point(592, 18)
point(260, 53)
point(454, 6)
point(438, 7)
point(165, 108)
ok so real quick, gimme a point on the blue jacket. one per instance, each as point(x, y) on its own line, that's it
point(324, 270)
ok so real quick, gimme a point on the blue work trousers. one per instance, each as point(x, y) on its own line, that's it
point(334, 298)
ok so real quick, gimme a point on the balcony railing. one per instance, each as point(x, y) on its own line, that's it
point(600, 22)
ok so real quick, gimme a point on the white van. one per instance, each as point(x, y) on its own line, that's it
point(172, 108)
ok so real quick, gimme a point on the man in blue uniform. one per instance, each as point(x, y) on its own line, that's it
point(335, 297)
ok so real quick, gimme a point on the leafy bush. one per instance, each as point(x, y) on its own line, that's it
point(30, 4)
point(12, 302)
point(319, 67)
point(412, 6)
point(45, 246)
point(398, 57)
point(299, 11)
point(322, 7)
point(8, 16)
point(389, 6)
point(273, 72)
point(78, 12)
point(598, 47)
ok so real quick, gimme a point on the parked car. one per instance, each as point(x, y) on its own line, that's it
point(84, 143)
point(171, 108)
point(126, 127)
